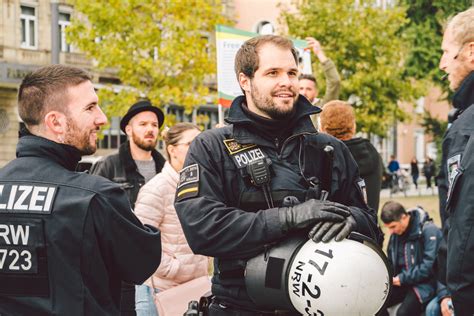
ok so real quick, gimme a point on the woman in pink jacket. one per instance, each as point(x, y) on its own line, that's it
point(155, 207)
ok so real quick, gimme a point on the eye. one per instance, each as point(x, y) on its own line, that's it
point(272, 73)
point(292, 74)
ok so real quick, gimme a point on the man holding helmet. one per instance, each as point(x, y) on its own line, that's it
point(269, 175)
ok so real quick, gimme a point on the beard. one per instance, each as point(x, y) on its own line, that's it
point(80, 139)
point(267, 105)
point(459, 74)
point(143, 143)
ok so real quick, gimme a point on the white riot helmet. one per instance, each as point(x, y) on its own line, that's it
point(350, 277)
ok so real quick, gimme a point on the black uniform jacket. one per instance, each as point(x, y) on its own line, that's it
point(69, 238)
point(370, 167)
point(457, 175)
point(224, 216)
point(122, 169)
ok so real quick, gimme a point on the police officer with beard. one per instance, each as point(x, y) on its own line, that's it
point(268, 175)
point(456, 179)
point(67, 239)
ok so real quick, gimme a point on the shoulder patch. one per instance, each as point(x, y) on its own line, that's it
point(234, 147)
point(188, 175)
point(454, 171)
point(363, 189)
point(188, 185)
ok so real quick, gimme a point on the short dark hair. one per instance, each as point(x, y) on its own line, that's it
point(308, 77)
point(246, 60)
point(392, 212)
point(44, 90)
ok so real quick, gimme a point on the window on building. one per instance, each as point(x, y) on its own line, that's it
point(28, 27)
point(64, 21)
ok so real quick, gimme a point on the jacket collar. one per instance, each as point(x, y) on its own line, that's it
point(31, 145)
point(128, 162)
point(240, 120)
point(417, 218)
point(464, 97)
point(171, 173)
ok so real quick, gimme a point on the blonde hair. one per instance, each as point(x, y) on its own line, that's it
point(338, 119)
point(172, 135)
point(462, 26)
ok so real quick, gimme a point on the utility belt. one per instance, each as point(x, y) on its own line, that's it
point(209, 305)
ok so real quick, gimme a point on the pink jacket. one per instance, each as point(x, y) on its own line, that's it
point(155, 207)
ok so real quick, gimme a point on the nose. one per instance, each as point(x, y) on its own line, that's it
point(101, 118)
point(442, 62)
point(285, 80)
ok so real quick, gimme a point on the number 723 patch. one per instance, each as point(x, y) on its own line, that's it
point(20, 240)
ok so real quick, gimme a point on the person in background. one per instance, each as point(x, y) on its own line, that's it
point(155, 207)
point(393, 165)
point(338, 119)
point(412, 249)
point(136, 162)
point(429, 171)
point(415, 172)
point(308, 84)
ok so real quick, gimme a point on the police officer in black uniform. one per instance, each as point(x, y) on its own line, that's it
point(270, 174)
point(456, 180)
point(67, 239)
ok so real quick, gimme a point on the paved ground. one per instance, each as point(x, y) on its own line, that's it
point(421, 191)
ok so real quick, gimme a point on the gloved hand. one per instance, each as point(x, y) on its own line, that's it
point(325, 231)
point(311, 212)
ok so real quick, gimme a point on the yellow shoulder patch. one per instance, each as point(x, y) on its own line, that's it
point(234, 147)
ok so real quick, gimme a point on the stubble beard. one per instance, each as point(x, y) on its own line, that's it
point(79, 140)
point(142, 144)
point(265, 104)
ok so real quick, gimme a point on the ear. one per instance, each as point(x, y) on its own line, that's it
point(128, 130)
point(244, 82)
point(171, 151)
point(470, 52)
point(55, 122)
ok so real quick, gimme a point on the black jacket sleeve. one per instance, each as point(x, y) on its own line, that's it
point(213, 228)
point(350, 192)
point(103, 168)
point(132, 251)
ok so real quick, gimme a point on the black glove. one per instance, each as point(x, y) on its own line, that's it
point(311, 212)
point(326, 231)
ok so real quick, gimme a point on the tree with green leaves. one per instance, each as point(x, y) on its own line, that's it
point(160, 50)
point(369, 50)
point(425, 31)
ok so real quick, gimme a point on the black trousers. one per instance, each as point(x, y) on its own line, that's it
point(222, 309)
point(411, 306)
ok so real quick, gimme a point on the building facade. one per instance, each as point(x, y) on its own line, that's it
point(32, 34)
point(25, 44)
